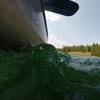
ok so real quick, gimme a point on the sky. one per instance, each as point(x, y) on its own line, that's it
point(81, 28)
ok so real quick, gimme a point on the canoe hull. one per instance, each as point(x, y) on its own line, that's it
point(22, 22)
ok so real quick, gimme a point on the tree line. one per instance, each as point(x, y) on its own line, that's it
point(94, 49)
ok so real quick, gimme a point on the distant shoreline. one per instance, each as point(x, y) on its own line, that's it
point(80, 54)
point(82, 50)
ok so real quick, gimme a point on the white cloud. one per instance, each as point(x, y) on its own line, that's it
point(55, 41)
point(52, 17)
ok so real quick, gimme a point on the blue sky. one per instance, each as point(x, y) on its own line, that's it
point(82, 28)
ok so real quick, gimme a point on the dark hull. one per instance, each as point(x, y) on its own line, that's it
point(22, 22)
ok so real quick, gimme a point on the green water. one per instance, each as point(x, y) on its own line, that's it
point(42, 73)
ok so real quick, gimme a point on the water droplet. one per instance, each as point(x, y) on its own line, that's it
point(41, 48)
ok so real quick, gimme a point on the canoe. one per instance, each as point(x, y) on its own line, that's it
point(22, 22)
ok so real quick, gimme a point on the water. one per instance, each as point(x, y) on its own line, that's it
point(85, 63)
point(42, 73)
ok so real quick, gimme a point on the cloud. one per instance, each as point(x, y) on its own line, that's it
point(52, 17)
point(53, 39)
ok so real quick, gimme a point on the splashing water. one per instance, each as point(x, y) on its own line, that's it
point(42, 73)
